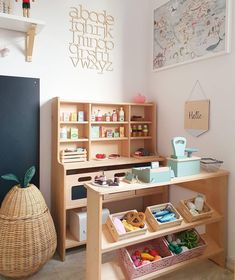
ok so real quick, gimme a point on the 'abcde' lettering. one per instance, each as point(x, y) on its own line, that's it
point(85, 15)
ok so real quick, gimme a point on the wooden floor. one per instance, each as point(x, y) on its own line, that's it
point(74, 269)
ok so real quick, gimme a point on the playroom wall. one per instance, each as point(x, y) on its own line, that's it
point(171, 88)
point(58, 77)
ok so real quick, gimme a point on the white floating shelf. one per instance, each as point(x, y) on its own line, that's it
point(28, 26)
point(18, 23)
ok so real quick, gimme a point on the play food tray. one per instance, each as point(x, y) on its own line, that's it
point(156, 225)
point(207, 211)
point(120, 236)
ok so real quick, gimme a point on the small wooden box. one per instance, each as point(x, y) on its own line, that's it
point(155, 175)
point(182, 206)
point(116, 235)
point(73, 156)
point(157, 225)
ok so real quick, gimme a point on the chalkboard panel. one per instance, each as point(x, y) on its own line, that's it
point(19, 128)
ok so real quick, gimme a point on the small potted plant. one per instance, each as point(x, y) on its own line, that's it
point(27, 232)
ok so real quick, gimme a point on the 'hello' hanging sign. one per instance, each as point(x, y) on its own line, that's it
point(196, 114)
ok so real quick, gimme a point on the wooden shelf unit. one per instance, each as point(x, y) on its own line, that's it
point(68, 179)
point(99, 240)
point(124, 146)
point(29, 26)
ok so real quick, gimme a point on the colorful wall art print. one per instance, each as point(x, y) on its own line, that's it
point(189, 30)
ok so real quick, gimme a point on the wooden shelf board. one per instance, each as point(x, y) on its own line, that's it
point(81, 204)
point(71, 241)
point(140, 122)
point(18, 23)
point(175, 181)
point(122, 104)
point(72, 141)
point(112, 270)
point(109, 162)
point(106, 104)
point(108, 123)
point(108, 243)
point(109, 139)
point(85, 122)
point(141, 137)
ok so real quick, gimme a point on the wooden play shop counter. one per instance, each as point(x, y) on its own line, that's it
point(100, 241)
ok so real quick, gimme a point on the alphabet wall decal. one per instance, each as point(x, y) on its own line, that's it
point(92, 41)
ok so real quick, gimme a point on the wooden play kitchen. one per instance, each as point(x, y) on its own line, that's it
point(93, 140)
point(100, 241)
point(87, 139)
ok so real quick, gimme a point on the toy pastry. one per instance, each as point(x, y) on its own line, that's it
point(136, 219)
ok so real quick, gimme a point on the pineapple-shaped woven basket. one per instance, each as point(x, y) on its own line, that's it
point(27, 232)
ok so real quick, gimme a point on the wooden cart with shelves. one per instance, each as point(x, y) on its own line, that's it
point(68, 179)
point(100, 241)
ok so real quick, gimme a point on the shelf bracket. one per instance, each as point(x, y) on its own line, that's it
point(29, 42)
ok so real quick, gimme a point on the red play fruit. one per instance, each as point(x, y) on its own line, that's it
point(137, 253)
point(146, 249)
point(153, 253)
point(100, 156)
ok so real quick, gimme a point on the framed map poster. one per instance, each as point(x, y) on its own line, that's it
point(190, 30)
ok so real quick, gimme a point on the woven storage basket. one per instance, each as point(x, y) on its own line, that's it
point(132, 271)
point(191, 253)
point(27, 232)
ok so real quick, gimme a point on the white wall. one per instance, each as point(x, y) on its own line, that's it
point(59, 78)
point(171, 88)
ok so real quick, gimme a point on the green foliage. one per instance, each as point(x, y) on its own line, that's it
point(10, 177)
point(189, 238)
point(24, 182)
point(28, 176)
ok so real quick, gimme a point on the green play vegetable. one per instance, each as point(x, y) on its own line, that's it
point(189, 238)
point(24, 183)
point(175, 248)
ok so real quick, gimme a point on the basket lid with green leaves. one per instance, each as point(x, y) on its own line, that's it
point(24, 199)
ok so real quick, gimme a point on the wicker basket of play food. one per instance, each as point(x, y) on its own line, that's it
point(162, 216)
point(185, 245)
point(144, 258)
point(189, 210)
point(126, 224)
